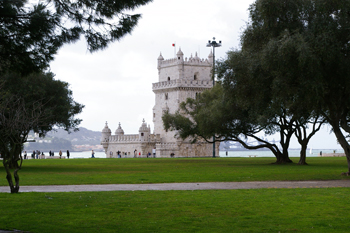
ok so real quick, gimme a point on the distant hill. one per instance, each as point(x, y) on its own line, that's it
point(82, 137)
point(62, 140)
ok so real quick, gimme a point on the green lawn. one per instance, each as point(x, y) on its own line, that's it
point(134, 171)
point(255, 210)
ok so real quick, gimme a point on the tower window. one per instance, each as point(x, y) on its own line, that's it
point(166, 96)
point(168, 78)
point(141, 134)
point(196, 76)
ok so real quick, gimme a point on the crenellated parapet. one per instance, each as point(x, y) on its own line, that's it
point(187, 61)
point(182, 83)
point(133, 138)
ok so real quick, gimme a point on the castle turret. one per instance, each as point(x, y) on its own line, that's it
point(180, 55)
point(180, 63)
point(119, 131)
point(160, 59)
point(144, 131)
point(106, 133)
point(211, 57)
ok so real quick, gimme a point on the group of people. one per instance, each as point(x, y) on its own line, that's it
point(34, 155)
point(37, 154)
point(51, 153)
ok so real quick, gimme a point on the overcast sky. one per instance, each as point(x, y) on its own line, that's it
point(115, 84)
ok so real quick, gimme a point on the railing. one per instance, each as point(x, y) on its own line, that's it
point(182, 83)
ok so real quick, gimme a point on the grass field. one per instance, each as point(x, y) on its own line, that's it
point(135, 171)
point(256, 210)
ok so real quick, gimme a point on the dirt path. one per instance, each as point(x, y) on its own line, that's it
point(183, 186)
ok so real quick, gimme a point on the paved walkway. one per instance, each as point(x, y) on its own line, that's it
point(182, 186)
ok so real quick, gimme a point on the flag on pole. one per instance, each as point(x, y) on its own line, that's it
point(174, 49)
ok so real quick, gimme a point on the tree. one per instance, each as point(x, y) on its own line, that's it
point(278, 78)
point(31, 32)
point(308, 42)
point(36, 102)
point(217, 112)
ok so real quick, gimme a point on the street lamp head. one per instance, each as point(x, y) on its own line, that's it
point(213, 43)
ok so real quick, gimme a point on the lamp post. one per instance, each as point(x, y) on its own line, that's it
point(213, 44)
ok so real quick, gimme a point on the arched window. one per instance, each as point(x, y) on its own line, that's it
point(166, 96)
point(196, 76)
point(168, 78)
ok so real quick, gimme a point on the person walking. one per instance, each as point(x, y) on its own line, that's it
point(60, 153)
point(25, 154)
point(92, 154)
point(68, 154)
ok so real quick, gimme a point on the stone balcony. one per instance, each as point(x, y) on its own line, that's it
point(178, 83)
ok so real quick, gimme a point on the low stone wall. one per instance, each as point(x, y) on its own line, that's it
point(332, 155)
point(55, 157)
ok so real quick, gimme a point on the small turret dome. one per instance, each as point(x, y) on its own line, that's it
point(180, 53)
point(119, 131)
point(106, 129)
point(160, 57)
point(144, 127)
point(106, 132)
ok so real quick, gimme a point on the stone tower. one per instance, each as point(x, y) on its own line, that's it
point(179, 78)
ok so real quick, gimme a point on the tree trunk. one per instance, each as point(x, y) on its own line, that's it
point(12, 163)
point(282, 158)
point(302, 160)
point(344, 144)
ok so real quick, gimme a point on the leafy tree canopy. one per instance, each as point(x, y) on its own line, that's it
point(292, 69)
point(304, 47)
point(35, 102)
point(31, 31)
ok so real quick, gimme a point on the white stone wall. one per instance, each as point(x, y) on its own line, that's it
point(127, 149)
point(170, 72)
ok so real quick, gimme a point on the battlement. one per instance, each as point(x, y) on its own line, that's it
point(187, 61)
point(133, 138)
point(177, 83)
